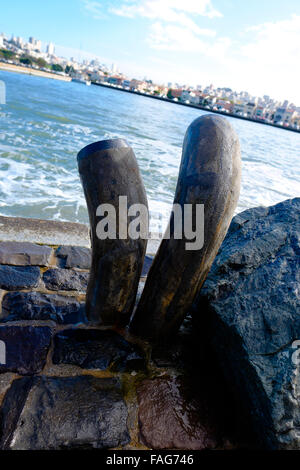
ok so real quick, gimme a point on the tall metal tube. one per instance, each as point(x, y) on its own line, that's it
point(209, 175)
point(108, 169)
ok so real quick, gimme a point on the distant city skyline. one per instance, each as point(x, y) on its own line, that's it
point(225, 42)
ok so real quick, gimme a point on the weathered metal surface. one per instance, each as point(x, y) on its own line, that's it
point(210, 174)
point(108, 169)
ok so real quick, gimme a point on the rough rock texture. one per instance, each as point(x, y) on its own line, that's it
point(14, 278)
point(96, 349)
point(37, 306)
point(65, 279)
point(74, 257)
point(24, 254)
point(170, 419)
point(26, 348)
point(63, 413)
point(5, 382)
point(250, 307)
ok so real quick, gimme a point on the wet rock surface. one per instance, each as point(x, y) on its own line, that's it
point(24, 254)
point(18, 306)
point(65, 279)
point(172, 419)
point(26, 348)
point(15, 277)
point(74, 257)
point(97, 349)
point(249, 307)
point(80, 412)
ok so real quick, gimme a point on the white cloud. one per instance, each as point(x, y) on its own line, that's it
point(94, 8)
point(169, 11)
point(174, 25)
point(176, 38)
point(276, 43)
point(158, 9)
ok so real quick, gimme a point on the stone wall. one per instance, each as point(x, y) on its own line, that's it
point(66, 384)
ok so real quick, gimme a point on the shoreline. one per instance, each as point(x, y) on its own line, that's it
point(30, 71)
point(196, 106)
point(54, 76)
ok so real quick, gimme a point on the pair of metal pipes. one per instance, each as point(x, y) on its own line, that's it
point(209, 177)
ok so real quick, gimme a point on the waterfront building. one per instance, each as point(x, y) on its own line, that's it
point(249, 108)
point(259, 112)
point(176, 93)
point(238, 108)
point(114, 80)
point(50, 49)
point(35, 44)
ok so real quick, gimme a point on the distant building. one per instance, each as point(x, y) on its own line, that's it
point(1, 41)
point(38, 45)
point(249, 109)
point(185, 95)
point(97, 76)
point(176, 93)
point(279, 115)
point(50, 49)
point(126, 83)
point(136, 84)
point(258, 112)
point(194, 98)
point(35, 44)
point(114, 80)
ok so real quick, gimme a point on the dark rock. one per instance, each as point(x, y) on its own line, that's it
point(26, 348)
point(13, 278)
point(65, 279)
point(179, 352)
point(37, 306)
point(97, 349)
point(74, 257)
point(5, 382)
point(209, 180)
point(147, 264)
point(44, 413)
point(171, 418)
point(249, 307)
point(24, 254)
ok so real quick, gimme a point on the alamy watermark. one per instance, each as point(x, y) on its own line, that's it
point(187, 222)
point(2, 353)
point(2, 92)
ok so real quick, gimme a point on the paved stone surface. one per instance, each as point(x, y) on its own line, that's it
point(249, 307)
point(97, 349)
point(74, 257)
point(24, 254)
point(82, 412)
point(47, 232)
point(170, 419)
point(15, 277)
point(65, 279)
point(37, 306)
point(26, 348)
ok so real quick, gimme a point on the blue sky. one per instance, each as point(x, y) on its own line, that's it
point(246, 45)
